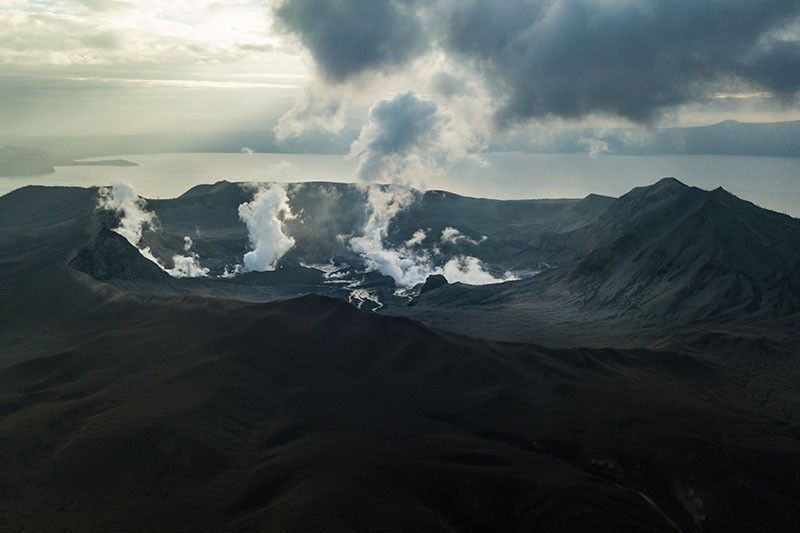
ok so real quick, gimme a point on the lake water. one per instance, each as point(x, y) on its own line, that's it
point(767, 181)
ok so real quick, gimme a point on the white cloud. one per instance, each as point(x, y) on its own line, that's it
point(318, 109)
point(194, 40)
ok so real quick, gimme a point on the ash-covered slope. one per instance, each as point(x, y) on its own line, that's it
point(629, 271)
point(670, 249)
point(658, 251)
point(515, 234)
point(662, 263)
point(111, 256)
point(125, 411)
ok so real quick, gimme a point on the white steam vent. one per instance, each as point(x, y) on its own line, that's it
point(121, 198)
point(265, 216)
point(187, 266)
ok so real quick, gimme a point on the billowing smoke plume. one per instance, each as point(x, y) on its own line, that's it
point(403, 265)
point(187, 266)
point(404, 135)
point(131, 209)
point(417, 238)
point(320, 109)
point(451, 235)
point(264, 217)
point(469, 270)
point(409, 264)
point(121, 198)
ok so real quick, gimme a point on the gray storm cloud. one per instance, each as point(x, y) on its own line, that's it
point(403, 134)
point(351, 37)
point(566, 58)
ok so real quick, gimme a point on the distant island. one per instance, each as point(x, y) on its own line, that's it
point(100, 163)
point(22, 161)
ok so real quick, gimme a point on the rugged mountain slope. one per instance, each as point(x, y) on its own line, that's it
point(515, 235)
point(662, 250)
point(670, 249)
point(110, 256)
point(125, 411)
point(662, 262)
point(654, 262)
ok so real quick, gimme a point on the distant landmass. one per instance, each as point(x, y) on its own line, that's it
point(771, 139)
point(100, 163)
point(17, 161)
point(22, 161)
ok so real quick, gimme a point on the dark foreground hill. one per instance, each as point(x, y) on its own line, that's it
point(309, 415)
point(124, 411)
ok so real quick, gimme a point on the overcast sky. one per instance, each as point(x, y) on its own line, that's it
point(470, 69)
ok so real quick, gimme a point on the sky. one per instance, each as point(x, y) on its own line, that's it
point(395, 83)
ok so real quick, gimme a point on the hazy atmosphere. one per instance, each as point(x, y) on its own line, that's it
point(400, 265)
point(303, 75)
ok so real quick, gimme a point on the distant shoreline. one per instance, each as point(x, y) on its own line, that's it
point(27, 162)
point(100, 163)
